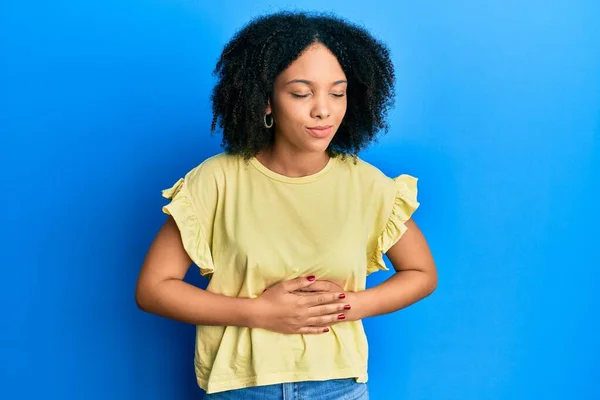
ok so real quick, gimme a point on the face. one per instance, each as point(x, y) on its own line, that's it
point(309, 101)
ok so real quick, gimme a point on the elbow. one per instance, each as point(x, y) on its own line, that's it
point(432, 281)
point(139, 302)
point(141, 298)
point(432, 284)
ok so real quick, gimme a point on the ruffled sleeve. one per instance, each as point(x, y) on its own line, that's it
point(193, 233)
point(404, 205)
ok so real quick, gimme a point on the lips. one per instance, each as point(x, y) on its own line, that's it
point(320, 131)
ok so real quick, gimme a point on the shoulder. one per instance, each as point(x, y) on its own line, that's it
point(205, 181)
point(215, 164)
point(367, 175)
point(376, 185)
point(213, 169)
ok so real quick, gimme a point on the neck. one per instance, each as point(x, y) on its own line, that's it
point(293, 164)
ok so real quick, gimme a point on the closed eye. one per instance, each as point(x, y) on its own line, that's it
point(306, 95)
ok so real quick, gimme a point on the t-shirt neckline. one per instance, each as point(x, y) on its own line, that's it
point(292, 179)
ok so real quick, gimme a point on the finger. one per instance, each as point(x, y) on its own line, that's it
point(321, 298)
point(323, 286)
point(304, 293)
point(320, 286)
point(313, 330)
point(328, 310)
point(325, 320)
point(298, 283)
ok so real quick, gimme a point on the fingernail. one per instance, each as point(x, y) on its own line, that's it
point(311, 278)
point(341, 316)
point(326, 330)
point(342, 296)
point(347, 307)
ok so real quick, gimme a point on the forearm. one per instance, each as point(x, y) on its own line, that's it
point(178, 300)
point(399, 291)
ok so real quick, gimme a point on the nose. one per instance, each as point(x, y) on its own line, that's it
point(321, 108)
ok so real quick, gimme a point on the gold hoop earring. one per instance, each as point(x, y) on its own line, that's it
point(267, 125)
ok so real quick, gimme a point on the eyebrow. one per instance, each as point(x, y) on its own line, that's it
point(310, 83)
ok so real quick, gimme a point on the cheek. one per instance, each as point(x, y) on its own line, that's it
point(341, 109)
point(291, 113)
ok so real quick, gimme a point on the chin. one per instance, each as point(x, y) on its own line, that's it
point(317, 147)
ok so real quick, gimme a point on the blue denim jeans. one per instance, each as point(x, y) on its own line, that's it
point(334, 389)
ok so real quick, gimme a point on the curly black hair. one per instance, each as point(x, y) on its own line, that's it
point(260, 51)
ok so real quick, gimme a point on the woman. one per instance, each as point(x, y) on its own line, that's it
point(287, 222)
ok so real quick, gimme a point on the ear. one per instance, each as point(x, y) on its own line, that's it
point(268, 110)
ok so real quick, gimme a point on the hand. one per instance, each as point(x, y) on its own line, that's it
point(352, 298)
point(283, 309)
point(320, 286)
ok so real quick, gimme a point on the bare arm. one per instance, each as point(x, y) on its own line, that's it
point(161, 290)
point(415, 278)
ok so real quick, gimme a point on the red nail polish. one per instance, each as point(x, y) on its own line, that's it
point(311, 278)
point(326, 330)
point(341, 316)
point(342, 296)
point(347, 307)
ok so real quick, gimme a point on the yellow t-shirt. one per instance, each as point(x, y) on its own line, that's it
point(247, 228)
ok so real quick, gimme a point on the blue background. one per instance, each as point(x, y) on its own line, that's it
point(103, 104)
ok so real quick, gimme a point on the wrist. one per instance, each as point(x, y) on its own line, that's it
point(360, 305)
point(252, 313)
